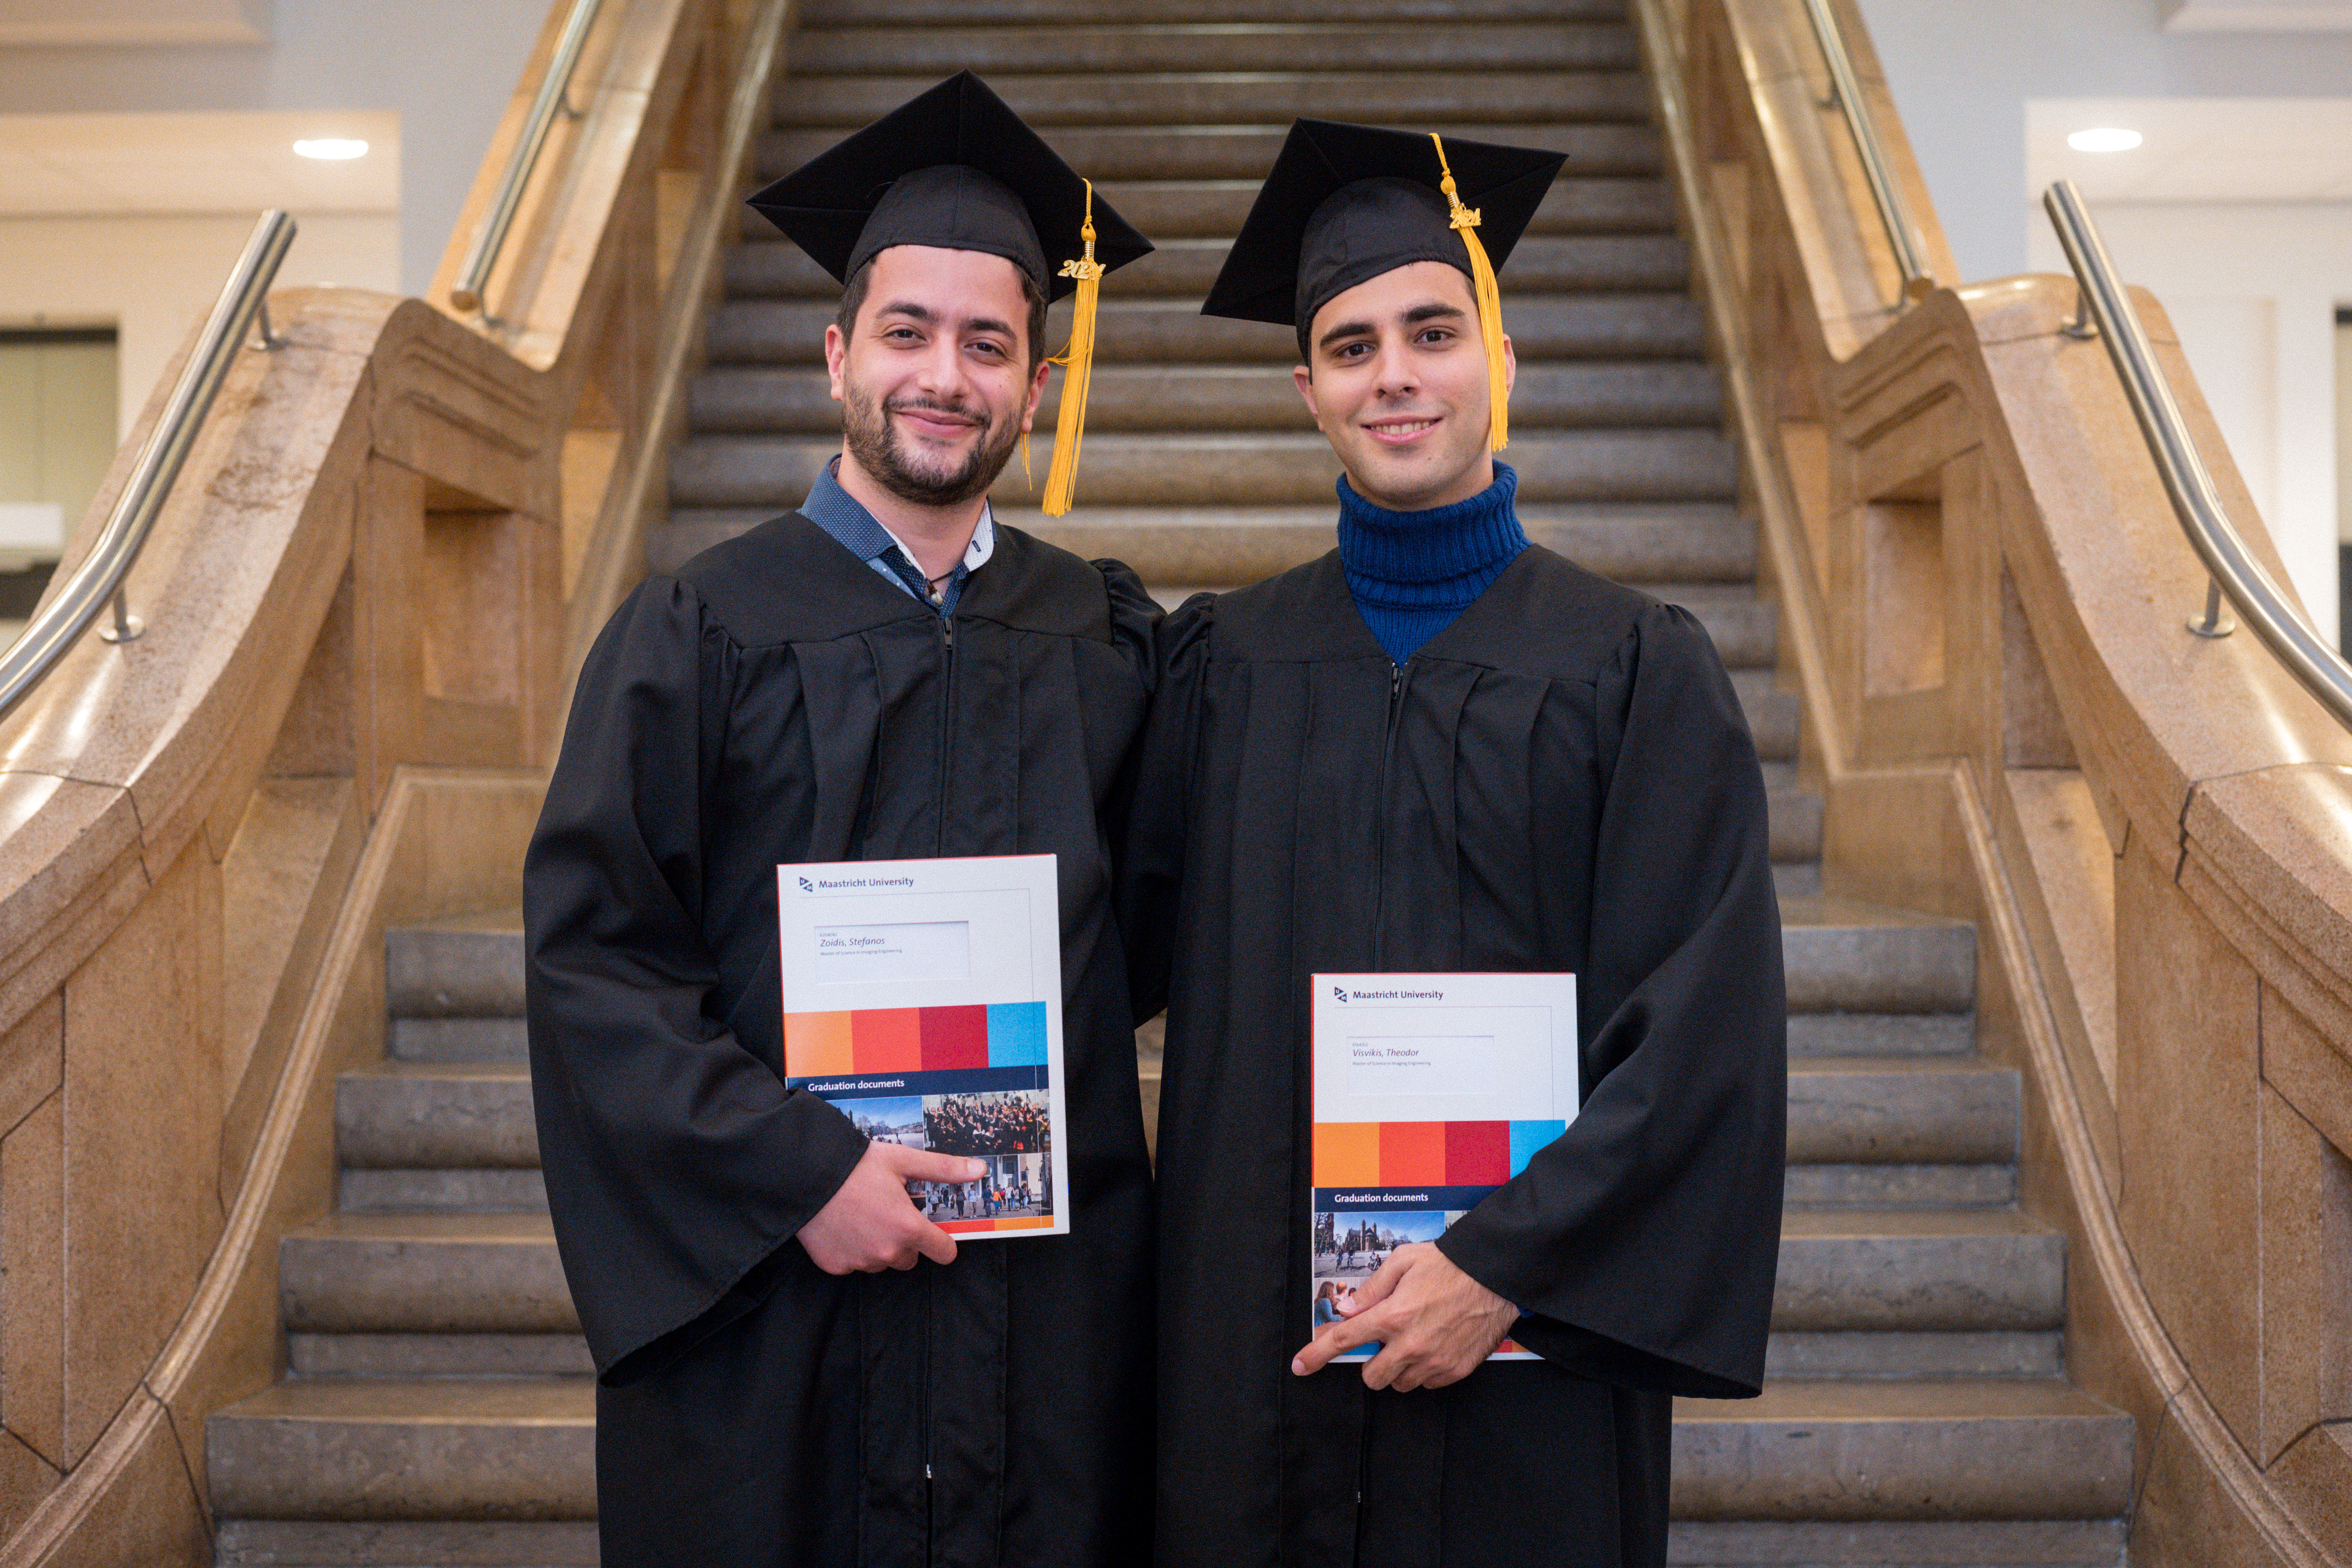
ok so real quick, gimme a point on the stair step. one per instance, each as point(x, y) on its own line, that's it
point(440, 1543)
point(1214, 209)
point(1639, 392)
point(1897, 1186)
point(961, 12)
point(1744, 628)
point(2014, 1352)
point(1845, 957)
point(1976, 1270)
point(1859, 1450)
point(1267, 469)
point(469, 966)
point(763, 267)
point(1228, 546)
point(452, 1190)
point(406, 1115)
point(1771, 713)
point(1879, 1034)
point(1926, 1544)
point(439, 1355)
point(1991, 1353)
point(1796, 811)
point(1162, 331)
point(1491, 98)
point(425, 1273)
point(493, 1274)
point(1906, 1110)
point(1819, 1185)
point(463, 1039)
point(1865, 981)
point(447, 1448)
point(1247, 152)
point(521, 1448)
point(930, 50)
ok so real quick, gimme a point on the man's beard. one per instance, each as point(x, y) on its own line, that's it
point(876, 446)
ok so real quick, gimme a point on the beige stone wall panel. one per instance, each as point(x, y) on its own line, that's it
point(2047, 825)
point(152, 1514)
point(281, 893)
point(32, 1254)
point(2187, 1010)
point(141, 1142)
point(2306, 1276)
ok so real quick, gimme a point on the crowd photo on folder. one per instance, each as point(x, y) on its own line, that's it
point(1445, 859)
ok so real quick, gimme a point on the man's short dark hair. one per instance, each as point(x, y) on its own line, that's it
point(852, 299)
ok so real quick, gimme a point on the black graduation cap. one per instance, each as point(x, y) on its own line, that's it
point(1346, 202)
point(956, 168)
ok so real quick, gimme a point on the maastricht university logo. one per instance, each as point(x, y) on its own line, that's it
point(807, 886)
point(1338, 993)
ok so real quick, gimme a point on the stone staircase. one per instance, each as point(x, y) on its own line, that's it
point(436, 1407)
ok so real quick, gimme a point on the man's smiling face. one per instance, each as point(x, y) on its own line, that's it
point(935, 376)
point(1396, 378)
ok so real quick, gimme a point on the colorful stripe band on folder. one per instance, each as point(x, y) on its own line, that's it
point(1426, 1154)
point(1005, 1222)
point(915, 1039)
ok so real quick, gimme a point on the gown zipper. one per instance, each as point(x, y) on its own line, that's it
point(939, 847)
point(1400, 678)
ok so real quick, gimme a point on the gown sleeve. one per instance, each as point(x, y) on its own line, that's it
point(1641, 1245)
point(1151, 845)
point(679, 1167)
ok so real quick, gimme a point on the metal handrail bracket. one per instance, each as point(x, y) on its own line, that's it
point(2236, 572)
point(98, 578)
point(482, 255)
point(1845, 87)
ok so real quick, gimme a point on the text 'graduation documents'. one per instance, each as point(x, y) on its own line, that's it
point(923, 998)
point(1430, 1090)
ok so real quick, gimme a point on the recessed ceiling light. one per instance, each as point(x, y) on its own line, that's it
point(337, 148)
point(2110, 139)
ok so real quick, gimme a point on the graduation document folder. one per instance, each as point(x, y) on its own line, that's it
point(924, 999)
point(1430, 1090)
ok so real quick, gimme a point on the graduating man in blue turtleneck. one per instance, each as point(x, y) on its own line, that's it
point(1441, 748)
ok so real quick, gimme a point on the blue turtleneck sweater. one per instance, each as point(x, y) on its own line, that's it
point(1412, 572)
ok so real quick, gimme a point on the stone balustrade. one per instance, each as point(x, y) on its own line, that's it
point(1983, 590)
point(364, 601)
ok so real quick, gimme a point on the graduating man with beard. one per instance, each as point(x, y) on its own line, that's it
point(1442, 749)
point(888, 672)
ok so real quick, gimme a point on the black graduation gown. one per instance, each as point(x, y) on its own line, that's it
point(775, 700)
point(1560, 780)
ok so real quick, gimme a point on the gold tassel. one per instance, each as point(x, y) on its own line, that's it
point(1028, 480)
point(1077, 362)
point(1490, 306)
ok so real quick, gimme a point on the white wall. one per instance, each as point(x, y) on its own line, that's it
point(444, 66)
point(1961, 71)
point(2253, 289)
point(2343, 420)
point(1985, 88)
point(155, 278)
